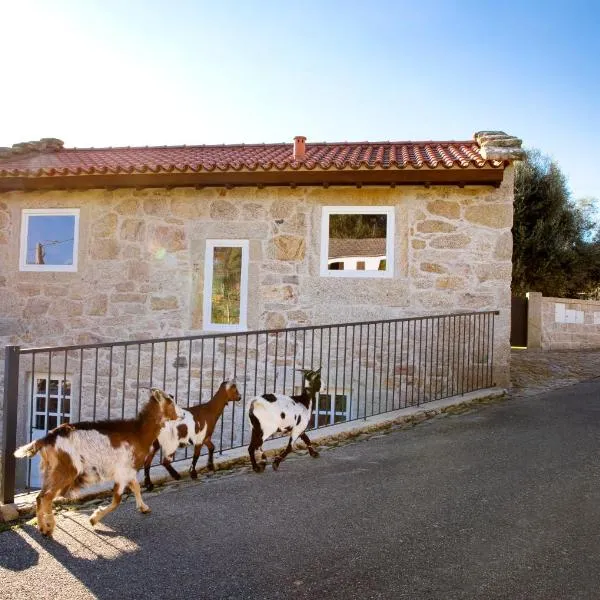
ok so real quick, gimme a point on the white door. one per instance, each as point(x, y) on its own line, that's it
point(51, 406)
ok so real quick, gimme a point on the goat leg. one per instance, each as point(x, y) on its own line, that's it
point(255, 445)
point(309, 445)
point(210, 465)
point(100, 513)
point(147, 462)
point(193, 472)
point(282, 455)
point(166, 463)
point(140, 504)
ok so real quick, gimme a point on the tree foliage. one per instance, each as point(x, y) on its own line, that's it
point(556, 246)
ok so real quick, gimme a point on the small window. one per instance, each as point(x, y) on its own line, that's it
point(49, 239)
point(330, 409)
point(226, 285)
point(357, 241)
point(52, 403)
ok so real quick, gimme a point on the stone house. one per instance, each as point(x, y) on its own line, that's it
point(137, 243)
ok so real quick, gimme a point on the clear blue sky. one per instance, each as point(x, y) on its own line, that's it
point(110, 73)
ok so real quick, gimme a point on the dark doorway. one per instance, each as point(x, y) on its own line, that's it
point(518, 321)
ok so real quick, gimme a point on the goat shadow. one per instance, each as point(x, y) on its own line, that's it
point(21, 555)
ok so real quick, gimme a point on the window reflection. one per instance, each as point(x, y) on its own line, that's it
point(50, 239)
point(226, 285)
point(357, 242)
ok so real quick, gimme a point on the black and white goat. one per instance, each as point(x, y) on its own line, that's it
point(271, 413)
point(195, 427)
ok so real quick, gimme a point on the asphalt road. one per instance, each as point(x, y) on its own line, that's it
point(501, 502)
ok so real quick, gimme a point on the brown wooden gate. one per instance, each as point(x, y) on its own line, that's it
point(518, 321)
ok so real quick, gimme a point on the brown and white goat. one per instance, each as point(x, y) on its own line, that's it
point(76, 454)
point(195, 428)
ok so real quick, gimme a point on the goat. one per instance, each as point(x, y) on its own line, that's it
point(270, 413)
point(77, 454)
point(195, 428)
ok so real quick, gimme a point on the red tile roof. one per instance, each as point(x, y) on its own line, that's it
point(54, 160)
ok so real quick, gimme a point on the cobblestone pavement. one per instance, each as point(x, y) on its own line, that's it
point(533, 371)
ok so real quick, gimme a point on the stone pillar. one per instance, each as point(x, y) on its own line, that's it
point(534, 320)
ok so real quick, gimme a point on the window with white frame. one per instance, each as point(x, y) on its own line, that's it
point(357, 241)
point(226, 285)
point(51, 403)
point(49, 239)
point(330, 409)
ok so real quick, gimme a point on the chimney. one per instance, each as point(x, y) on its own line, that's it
point(299, 147)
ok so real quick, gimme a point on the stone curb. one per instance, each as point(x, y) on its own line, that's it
point(334, 436)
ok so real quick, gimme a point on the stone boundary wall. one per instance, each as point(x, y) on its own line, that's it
point(562, 323)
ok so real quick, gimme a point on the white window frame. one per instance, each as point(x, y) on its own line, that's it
point(47, 212)
point(319, 411)
point(208, 283)
point(327, 211)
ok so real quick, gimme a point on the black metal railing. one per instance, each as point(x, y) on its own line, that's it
point(368, 368)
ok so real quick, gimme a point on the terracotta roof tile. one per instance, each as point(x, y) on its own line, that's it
point(59, 161)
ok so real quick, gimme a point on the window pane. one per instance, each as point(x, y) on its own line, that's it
point(40, 404)
point(226, 285)
point(51, 422)
point(53, 405)
point(66, 405)
point(50, 239)
point(40, 422)
point(357, 242)
point(340, 403)
point(41, 386)
point(54, 386)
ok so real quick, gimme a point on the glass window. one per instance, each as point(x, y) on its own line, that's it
point(330, 409)
point(49, 240)
point(357, 241)
point(57, 393)
point(225, 284)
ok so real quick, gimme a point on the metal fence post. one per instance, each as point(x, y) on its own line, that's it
point(11, 396)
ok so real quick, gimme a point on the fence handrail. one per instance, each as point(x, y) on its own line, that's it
point(208, 336)
point(374, 366)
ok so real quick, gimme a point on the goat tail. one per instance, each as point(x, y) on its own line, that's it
point(29, 450)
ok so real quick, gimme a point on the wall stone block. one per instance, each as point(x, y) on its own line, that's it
point(455, 240)
point(442, 208)
point(432, 226)
point(274, 320)
point(105, 227)
point(289, 247)
point(159, 206)
point(450, 283)
point(104, 249)
point(223, 209)
point(133, 230)
point(36, 307)
point(497, 216)
point(432, 268)
point(97, 305)
point(171, 239)
point(164, 303)
point(29, 289)
point(137, 298)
